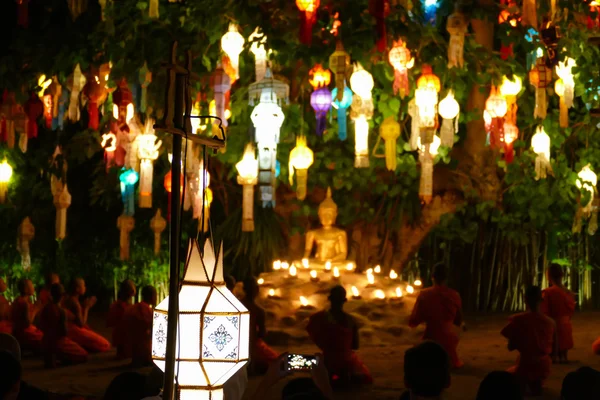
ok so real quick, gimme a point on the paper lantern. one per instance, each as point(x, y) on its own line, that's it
point(308, 8)
point(75, 84)
point(34, 109)
point(128, 180)
point(301, 158)
point(47, 99)
point(390, 132)
point(25, 234)
point(319, 77)
point(529, 12)
point(339, 63)
point(457, 27)
point(449, 110)
point(415, 129)
point(125, 224)
point(540, 144)
point(123, 109)
point(6, 172)
point(248, 177)
point(202, 195)
point(594, 23)
point(320, 100)
point(259, 40)
point(213, 328)
point(341, 106)
point(221, 83)
point(109, 144)
point(565, 89)
point(11, 114)
point(427, 153)
point(362, 84)
point(158, 224)
point(269, 89)
point(587, 180)
point(511, 133)
point(510, 89)
point(401, 59)
point(153, 9)
point(540, 77)
point(426, 99)
point(496, 107)
point(232, 44)
point(148, 147)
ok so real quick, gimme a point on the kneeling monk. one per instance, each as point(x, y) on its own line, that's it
point(5, 323)
point(138, 322)
point(116, 321)
point(23, 313)
point(77, 315)
point(533, 335)
point(45, 297)
point(56, 346)
point(440, 309)
point(335, 332)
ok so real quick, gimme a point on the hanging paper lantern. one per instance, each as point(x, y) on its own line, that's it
point(362, 84)
point(594, 23)
point(380, 9)
point(168, 185)
point(415, 130)
point(153, 10)
point(34, 108)
point(587, 180)
point(427, 153)
point(6, 172)
point(301, 158)
point(457, 27)
point(128, 180)
point(319, 77)
point(123, 109)
point(320, 100)
point(77, 7)
point(232, 44)
point(426, 99)
point(221, 84)
point(402, 61)
point(259, 41)
point(390, 132)
point(508, 14)
point(25, 234)
point(339, 63)
point(96, 93)
point(497, 108)
point(145, 79)
point(341, 107)
point(540, 144)
point(511, 133)
point(62, 201)
point(158, 224)
point(147, 152)
point(213, 328)
point(75, 84)
point(540, 77)
point(565, 89)
point(202, 195)
point(449, 110)
point(247, 170)
point(47, 99)
point(510, 89)
point(530, 13)
point(309, 10)
point(125, 224)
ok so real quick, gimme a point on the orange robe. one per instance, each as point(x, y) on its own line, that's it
point(437, 307)
point(559, 304)
point(116, 321)
point(261, 355)
point(5, 323)
point(28, 335)
point(336, 341)
point(138, 322)
point(55, 343)
point(596, 347)
point(84, 336)
point(45, 297)
point(532, 335)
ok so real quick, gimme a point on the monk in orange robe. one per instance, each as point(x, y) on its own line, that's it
point(138, 322)
point(559, 304)
point(115, 320)
point(5, 323)
point(440, 309)
point(533, 335)
point(44, 296)
point(23, 312)
point(336, 333)
point(56, 346)
point(77, 315)
point(261, 355)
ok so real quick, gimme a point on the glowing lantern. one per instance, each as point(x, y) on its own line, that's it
point(34, 108)
point(158, 224)
point(540, 76)
point(285, 265)
point(355, 293)
point(415, 130)
point(320, 100)
point(371, 279)
point(313, 276)
point(587, 180)
point(393, 274)
point(426, 98)
point(123, 109)
point(341, 106)
point(401, 59)
point(128, 180)
point(277, 265)
point(247, 177)
point(6, 172)
point(417, 282)
point(213, 329)
point(293, 271)
point(47, 99)
point(339, 63)
point(61, 197)
point(328, 266)
point(232, 44)
point(147, 152)
point(565, 89)
point(203, 196)
point(389, 132)
point(377, 269)
point(369, 271)
point(511, 133)
point(305, 263)
point(449, 110)
point(259, 40)
point(109, 144)
point(540, 144)
point(379, 294)
point(497, 108)
point(349, 267)
point(309, 9)
point(427, 153)
point(303, 301)
point(301, 158)
point(410, 289)
point(319, 77)
point(362, 84)
point(221, 83)
point(336, 273)
point(510, 89)
point(26, 233)
point(529, 12)
point(398, 292)
point(457, 27)
point(271, 292)
point(260, 281)
point(75, 84)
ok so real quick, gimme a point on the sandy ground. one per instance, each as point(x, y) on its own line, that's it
point(482, 349)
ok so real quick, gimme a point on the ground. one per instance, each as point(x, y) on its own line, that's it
point(482, 349)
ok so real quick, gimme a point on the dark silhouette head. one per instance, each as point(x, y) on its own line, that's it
point(301, 389)
point(51, 278)
point(439, 274)
point(337, 297)
point(499, 385)
point(230, 282)
point(251, 288)
point(57, 292)
point(149, 295)
point(533, 297)
point(77, 287)
point(127, 290)
point(25, 287)
point(555, 273)
point(10, 375)
point(426, 369)
point(582, 384)
point(126, 386)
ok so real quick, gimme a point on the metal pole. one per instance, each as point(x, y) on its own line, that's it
point(174, 240)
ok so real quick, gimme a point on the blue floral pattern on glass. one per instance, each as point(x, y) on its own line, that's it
point(220, 337)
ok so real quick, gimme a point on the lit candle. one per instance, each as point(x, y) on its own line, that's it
point(349, 267)
point(355, 293)
point(303, 301)
point(379, 294)
point(410, 289)
point(418, 282)
point(328, 266)
point(369, 271)
point(398, 292)
point(393, 274)
point(313, 276)
point(305, 262)
point(277, 265)
point(377, 269)
point(371, 279)
point(293, 271)
point(336, 273)
point(285, 265)
point(260, 281)
point(271, 292)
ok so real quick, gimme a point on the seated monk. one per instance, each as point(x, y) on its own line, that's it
point(5, 323)
point(532, 334)
point(261, 355)
point(336, 334)
point(559, 304)
point(56, 346)
point(77, 315)
point(44, 296)
point(138, 322)
point(23, 313)
point(115, 318)
point(440, 309)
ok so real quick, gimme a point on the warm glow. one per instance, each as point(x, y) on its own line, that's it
point(377, 269)
point(355, 292)
point(418, 282)
point(301, 158)
point(369, 271)
point(328, 265)
point(371, 279)
point(313, 274)
point(449, 107)
point(319, 77)
point(349, 267)
point(248, 167)
point(276, 265)
point(393, 274)
point(308, 6)
point(434, 146)
point(232, 44)
point(303, 301)
point(587, 180)
point(285, 265)
point(511, 88)
point(43, 83)
point(336, 272)
point(293, 271)
point(271, 292)
point(113, 142)
point(410, 289)
point(398, 292)
point(540, 143)
point(496, 105)
point(362, 82)
point(212, 109)
point(6, 171)
point(305, 263)
point(400, 57)
point(260, 281)
point(379, 294)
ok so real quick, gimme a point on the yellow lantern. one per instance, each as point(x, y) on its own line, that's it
point(232, 44)
point(213, 328)
point(362, 107)
point(339, 63)
point(565, 88)
point(301, 158)
point(259, 40)
point(6, 172)
point(587, 180)
point(248, 177)
point(540, 144)
point(389, 132)
point(147, 152)
point(449, 110)
point(510, 89)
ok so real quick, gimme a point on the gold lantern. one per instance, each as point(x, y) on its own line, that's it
point(301, 158)
point(148, 147)
point(248, 177)
point(389, 132)
point(540, 76)
point(339, 63)
point(6, 172)
point(75, 83)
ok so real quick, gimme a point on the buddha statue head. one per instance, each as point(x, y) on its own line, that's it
point(328, 211)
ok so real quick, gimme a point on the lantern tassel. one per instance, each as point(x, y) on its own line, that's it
point(321, 123)
point(415, 126)
point(301, 183)
point(401, 82)
point(153, 9)
point(390, 155)
point(541, 103)
point(530, 13)
point(426, 181)
point(542, 167)
point(247, 208)
point(447, 133)
point(456, 51)
point(306, 26)
point(342, 124)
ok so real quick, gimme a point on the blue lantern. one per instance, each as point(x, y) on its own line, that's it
point(128, 180)
point(341, 107)
point(430, 7)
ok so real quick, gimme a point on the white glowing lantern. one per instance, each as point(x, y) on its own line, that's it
point(540, 144)
point(213, 329)
point(336, 273)
point(285, 265)
point(303, 301)
point(313, 276)
point(248, 177)
point(410, 289)
point(349, 267)
point(271, 292)
point(377, 269)
point(328, 265)
point(370, 271)
point(260, 53)
point(398, 292)
point(147, 152)
point(293, 271)
point(417, 282)
point(565, 89)
point(587, 180)
point(260, 281)
point(301, 158)
point(449, 110)
point(393, 274)
point(6, 172)
point(510, 89)
point(371, 279)
point(355, 292)
point(232, 44)
point(305, 263)
point(277, 265)
point(379, 294)
point(362, 107)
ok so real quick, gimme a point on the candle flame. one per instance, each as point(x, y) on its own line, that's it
point(328, 265)
point(285, 265)
point(260, 281)
point(303, 301)
point(293, 271)
point(305, 262)
point(369, 271)
point(398, 292)
point(271, 292)
point(276, 265)
point(410, 289)
point(313, 274)
point(377, 269)
point(349, 267)
point(336, 272)
point(355, 292)
point(371, 279)
point(393, 274)
point(379, 294)
point(418, 282)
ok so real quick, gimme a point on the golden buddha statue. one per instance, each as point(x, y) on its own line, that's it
point(331, 242)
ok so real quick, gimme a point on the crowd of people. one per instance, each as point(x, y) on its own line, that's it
point(55, 328)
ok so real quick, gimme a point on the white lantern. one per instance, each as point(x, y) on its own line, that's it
point(232, 44)
point(449, 110)
point(540, 144)
point(565, 89)
point(248, 177)
point(213, 329)
point(587, 180)
point(260, 53)
point(362, 83)
point(147, 152)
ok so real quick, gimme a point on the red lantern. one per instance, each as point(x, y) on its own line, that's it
point(123, 105)
point(309, 10)
point(380, 9)
point(95, 90)
point(511, 133)
point(497, 108)
point(594, 23)
point(34, 108)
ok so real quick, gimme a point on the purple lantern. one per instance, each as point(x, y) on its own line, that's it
point(320, 100)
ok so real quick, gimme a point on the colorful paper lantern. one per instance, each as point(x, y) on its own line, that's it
point(457, 27)
point(587, 180)
point(128, 180)
point(221, 83)
point(269, 89)
point(449, 110)
point(510, 89)
point(339, 63)
point(390, 132)
point(34, 109)
point(148, 147)
point(47, 99)
point(341, 106)
point(511, 133)
point(125, 224)
point(6, 172)
point(540, 77)
point(123, 109)
point(540, 144)
point(319, 77)
point(213, 328)
point(427, 153)
point(496, 108)
point(248, 177)
point(109, 144)
point(320, 100)
point(259, 41)
point(301, 158)
point(232, 43)
point(426, 100)
point(158, 224)
point(565, 89)
point(401, 59)
point(75, 84)
point(308, 8)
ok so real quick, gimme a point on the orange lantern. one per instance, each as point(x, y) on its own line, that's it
point(496, 108)
point(540, 76)
point(426, 99)
point(511, 133)
point(319, 77)
point(402, 61)
point(309, 10)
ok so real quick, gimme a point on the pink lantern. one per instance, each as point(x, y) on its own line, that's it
point(320, 100)
point(221, 83)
